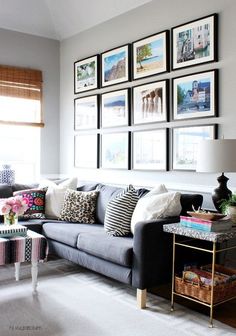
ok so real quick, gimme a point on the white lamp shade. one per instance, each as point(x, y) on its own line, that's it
point(216, 156)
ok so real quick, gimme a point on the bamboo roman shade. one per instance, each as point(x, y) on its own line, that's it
point(21, 83)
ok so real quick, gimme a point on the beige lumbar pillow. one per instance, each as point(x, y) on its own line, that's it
point(55, 195)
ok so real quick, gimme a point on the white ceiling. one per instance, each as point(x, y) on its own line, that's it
point(59, 19)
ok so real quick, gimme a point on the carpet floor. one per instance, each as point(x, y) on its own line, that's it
point(73, 301)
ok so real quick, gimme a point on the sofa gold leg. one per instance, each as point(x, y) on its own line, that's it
point(141, 298)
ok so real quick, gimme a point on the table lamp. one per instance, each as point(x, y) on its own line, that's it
point(215, 156)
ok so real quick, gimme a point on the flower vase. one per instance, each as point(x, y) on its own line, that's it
point(10, 219)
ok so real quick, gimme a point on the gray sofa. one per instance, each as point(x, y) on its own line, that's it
point(142, 260)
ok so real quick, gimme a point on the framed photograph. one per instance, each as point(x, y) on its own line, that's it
point(115, 149)
point(185, 142)
point(195, 96)
point(115, 66)
point(86, 113)
point(151, 55)
point(195, 42)
point(149, 150)
point(86, 74)
point(115, 107)
point(150, 103)
point(86, 151)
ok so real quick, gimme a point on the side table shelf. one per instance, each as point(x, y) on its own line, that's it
point(193, 235)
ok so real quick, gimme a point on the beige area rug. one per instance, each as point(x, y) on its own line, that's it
point(73, 301)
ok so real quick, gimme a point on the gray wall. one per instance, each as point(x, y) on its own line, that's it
point(149, 19)
point(23, 50)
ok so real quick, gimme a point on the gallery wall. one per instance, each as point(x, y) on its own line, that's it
point(151, 18)
point(24, 50)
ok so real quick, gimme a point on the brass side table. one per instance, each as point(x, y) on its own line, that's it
point(194, 235)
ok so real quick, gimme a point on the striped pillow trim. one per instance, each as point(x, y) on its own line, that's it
point(119, 213)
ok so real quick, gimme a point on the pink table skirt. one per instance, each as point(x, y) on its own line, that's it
point(33, 247)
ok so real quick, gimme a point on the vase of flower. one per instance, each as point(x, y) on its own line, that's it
point(11, 208)
point(10, 219)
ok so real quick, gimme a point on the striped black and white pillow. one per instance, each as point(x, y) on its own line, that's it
point(119, 212)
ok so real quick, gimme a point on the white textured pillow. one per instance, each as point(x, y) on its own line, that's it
point(156, 206)
point(159, 189)
point(55, 195)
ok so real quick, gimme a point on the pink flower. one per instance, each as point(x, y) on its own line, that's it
point(15, 205)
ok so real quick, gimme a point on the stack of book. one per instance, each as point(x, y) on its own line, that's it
point(7, 231)
point(206, 225)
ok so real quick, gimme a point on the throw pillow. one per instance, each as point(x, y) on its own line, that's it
point(159, 189)
point(156, 206)
point(79, 206)
point(35, 198)
point(55, 195)
point(119, 212)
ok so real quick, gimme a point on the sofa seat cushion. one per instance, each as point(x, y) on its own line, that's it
point(67, 233)
point(115, 249)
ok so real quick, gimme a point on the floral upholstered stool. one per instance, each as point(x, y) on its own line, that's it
point(32, 248)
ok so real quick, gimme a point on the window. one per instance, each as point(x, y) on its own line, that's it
point(20, 120)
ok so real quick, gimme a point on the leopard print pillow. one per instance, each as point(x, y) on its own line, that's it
point(79, 206)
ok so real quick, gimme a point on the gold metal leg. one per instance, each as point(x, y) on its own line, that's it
point(212, 283)
point(173, 275)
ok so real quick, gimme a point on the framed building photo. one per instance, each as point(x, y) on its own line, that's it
point(115, 149)
point(195, 96)
point(150, 55)
point(195, 42)
point(115, 107)
point(149, 150)
point(115, 66)
point(150, 103)
point(86, 74)
point(86, 113)
point(86, 151)
point(185, 142)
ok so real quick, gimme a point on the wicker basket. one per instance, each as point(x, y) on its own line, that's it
point(202, 292)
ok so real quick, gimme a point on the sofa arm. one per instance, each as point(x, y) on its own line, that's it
point(152, 253)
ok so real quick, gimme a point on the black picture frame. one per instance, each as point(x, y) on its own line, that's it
point(86, 112)
point(155, 55)
point(150, 102)
point(115, 150)
point(115, 108)
point(185, 141)
point(195, 96)
point(150, 149)
point(116, 62)
point(83, 68)
point(86, 150)
point(192, 46)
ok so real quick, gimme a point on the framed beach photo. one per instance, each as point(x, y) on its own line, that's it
point(86, 151)
point(195, 96)
point(195, 42)
point(115, 107)
point(115, 66)
point(150, 55)
point(149, 149)
point(185, 142)
point(150, 103)
point(115, 150)
point(86, 113)
point(86, 74)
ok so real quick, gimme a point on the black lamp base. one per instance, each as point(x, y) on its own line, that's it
point(221, 193)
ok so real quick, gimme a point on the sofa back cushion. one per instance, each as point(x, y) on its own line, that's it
point(189, 200)
point(106, 193)
point(5, 191)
